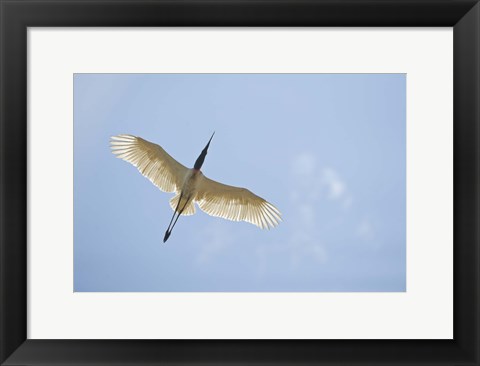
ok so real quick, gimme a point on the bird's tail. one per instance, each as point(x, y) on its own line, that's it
point(189, 208)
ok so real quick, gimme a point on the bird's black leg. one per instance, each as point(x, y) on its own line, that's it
point(174, 212)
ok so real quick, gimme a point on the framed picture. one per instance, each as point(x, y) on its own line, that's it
point(352, 126)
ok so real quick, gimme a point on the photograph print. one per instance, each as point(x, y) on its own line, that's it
point(239, 182)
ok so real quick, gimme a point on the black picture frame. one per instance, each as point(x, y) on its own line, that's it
point(17, 15)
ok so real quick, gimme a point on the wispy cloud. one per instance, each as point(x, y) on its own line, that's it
point(336, 187)
point(312, 181)
point(311, 184)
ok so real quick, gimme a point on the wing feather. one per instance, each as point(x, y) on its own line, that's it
point(150, 160)
point(236, 204)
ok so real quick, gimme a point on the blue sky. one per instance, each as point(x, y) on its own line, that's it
point(328, 150)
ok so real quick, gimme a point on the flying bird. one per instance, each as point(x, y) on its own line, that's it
point(191, 186)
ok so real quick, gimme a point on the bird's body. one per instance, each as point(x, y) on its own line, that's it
point(188, 192)
point(192, 186)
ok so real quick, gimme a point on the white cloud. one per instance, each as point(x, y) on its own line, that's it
point(311, 182)
point(305, 185)
point(312, 185)
point(306, 195)
point(336, 186)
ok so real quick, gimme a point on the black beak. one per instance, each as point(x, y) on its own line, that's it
point(201, 158)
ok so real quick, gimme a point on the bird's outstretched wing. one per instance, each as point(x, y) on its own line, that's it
point(151, 160)
point(236, 204)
